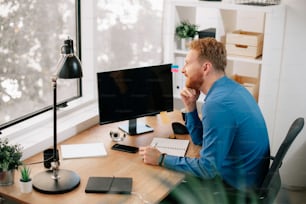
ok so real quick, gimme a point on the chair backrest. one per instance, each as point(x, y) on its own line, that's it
point(272, 181)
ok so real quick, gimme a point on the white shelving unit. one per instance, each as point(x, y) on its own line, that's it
point(227, 17)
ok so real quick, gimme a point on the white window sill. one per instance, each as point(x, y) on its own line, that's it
point(36, 134)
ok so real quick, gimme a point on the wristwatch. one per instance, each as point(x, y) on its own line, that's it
point(161, 159)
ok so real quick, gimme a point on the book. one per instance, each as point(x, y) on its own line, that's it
point(173, 147)
point(71, 151)
point(119, 185)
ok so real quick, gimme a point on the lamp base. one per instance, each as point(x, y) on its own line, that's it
point(44, 183)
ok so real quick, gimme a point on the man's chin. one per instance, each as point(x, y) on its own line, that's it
point(189, 85)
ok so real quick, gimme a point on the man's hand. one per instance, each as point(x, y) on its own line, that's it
point(150, 155)
point(189, 98)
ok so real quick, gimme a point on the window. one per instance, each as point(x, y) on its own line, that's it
point(128, 33)
point(31, 34)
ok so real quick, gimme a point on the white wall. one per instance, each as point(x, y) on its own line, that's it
point(292, 94)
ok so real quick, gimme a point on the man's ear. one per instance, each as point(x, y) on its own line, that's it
point(206, 66)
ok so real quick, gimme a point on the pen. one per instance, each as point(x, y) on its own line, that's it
point(155, 144)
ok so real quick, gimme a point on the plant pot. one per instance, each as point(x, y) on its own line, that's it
point(26, 187)
point(7, 177)
point(185, 42)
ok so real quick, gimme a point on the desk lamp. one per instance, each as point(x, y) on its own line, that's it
point(55, 180)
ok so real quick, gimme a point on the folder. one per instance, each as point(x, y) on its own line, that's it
point(117, 185)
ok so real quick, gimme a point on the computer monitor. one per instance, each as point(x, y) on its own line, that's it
point(128, 94)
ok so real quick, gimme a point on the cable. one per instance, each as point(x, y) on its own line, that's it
point(39, 162)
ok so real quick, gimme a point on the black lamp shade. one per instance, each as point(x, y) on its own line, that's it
point(71, 68)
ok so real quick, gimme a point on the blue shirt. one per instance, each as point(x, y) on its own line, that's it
point(233, 136)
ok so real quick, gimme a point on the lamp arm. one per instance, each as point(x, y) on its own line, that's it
point(55, 163)
point(60, 63)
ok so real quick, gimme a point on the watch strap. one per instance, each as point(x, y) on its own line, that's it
point(161, 159)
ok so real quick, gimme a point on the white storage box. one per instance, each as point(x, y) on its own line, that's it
point(244, 43)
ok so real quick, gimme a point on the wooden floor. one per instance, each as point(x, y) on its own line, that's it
point(286, 196)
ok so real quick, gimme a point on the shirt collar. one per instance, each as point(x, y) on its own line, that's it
point(217, 83)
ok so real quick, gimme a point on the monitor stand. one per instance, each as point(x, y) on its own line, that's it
point(135, 128)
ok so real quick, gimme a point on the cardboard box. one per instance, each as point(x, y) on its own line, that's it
point(250, 83)
point(244, 43)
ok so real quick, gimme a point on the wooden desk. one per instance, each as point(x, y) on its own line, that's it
point(152, 183)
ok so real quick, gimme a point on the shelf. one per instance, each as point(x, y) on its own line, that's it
point(245, 59)
point(180, 52)
point(231, 58)
point(224, 5)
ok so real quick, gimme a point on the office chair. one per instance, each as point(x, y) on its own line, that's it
point(271, 185)
point(272, 182)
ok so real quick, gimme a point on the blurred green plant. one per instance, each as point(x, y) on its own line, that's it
point(186, 30)
point(10, 155)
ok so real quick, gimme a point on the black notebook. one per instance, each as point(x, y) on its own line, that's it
point(120, 185)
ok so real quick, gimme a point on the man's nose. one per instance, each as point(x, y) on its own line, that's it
point(183, 69)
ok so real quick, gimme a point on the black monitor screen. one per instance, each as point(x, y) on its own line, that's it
point(132, 93)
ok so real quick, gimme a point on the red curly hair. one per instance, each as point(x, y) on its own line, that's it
point(212, 50)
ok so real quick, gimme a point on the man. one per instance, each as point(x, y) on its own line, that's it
point(231, 131)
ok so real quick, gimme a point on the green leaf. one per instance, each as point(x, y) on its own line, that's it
point(25, 173)
point(185, 30)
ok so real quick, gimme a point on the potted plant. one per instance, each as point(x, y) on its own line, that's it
point(10, 159)
point(25, 179)
point(185, 31)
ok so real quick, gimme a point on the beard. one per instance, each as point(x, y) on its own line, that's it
point(194, 82)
